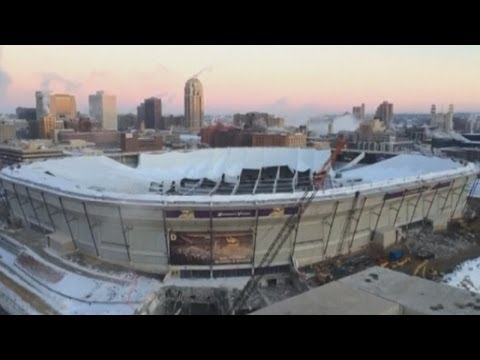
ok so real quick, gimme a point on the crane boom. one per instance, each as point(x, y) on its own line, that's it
point(288, 226)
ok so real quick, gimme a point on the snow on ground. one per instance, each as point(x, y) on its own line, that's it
point(71, 293)
point(14, 305)
point(74, 293)
point(466, 276)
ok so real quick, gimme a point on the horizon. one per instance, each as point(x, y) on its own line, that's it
point(294, 82)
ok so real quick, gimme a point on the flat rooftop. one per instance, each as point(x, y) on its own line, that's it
point(377, 291)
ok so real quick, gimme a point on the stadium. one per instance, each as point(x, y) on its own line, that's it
point(216, 212)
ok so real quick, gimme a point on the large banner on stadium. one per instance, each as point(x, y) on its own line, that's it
point(199, 248)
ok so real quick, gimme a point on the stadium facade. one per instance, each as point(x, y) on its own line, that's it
point(215, 212)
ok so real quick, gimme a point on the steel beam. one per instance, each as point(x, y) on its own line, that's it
point(34, 210)
point(294, 180)
point(378, 218)
point(357, 221)
point(20, 204)
point(211, 240)
point(299, 215)
point(448, 194)
point(430, 206)
point(215, 188)
point(68, 222)
point(91, 229)
point(255, 239)
point(459, 197)
point(398, 210)
point(415, 207)
point(165, 232)
point(5, 196)
point(348, 221)
point(276, 181)
point(330, 228)
point(48, 210)
point(474, 187)
point(237, 184)
point(124, 232)
point(257, 182)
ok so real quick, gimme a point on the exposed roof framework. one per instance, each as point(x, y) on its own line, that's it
point(246, 173)
point(267, 180)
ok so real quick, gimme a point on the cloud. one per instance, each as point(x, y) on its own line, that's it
point(319, 124)
point(294, 115)
point(5, 79)
point(49, 78)
point(167, 98)
point(280, 103)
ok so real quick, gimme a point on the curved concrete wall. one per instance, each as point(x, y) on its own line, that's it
point(140, 236)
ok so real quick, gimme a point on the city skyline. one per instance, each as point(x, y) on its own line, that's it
point(296, 82)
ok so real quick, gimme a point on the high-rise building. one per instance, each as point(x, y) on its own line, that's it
point(29, 114)
point(385, 113)
point(359, 112)
point(103, 108)
point(193, 105)
point(153, 114)
point(449, 118)
point(8, 131)
point(284, 140)
point(46, 126)
point(442, 121)
point(61, 106)
point(42, 102)
point(141, 117)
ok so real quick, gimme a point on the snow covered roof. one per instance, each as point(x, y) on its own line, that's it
point(102, 174)
point(401, 166)
point(231, 174)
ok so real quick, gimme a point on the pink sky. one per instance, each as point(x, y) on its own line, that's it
point(294, 81)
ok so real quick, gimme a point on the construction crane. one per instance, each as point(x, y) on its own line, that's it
point(288, 226)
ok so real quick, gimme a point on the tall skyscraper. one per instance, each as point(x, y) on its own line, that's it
point(42, 102)
point(153, 114)
point(60, 106)
point(385, 113)
point(103, 108)
point(442, 121)
point(193, 105)
point(63, 106)
point(46, 125)
point(449, 118)
point(141, 117)
point(359, 112)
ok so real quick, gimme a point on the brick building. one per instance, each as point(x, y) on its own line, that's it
point(283, 140)
point(131, 142)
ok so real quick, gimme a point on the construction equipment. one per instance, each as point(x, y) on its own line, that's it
point(289, 226)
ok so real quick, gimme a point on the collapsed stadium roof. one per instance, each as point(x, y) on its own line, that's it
point(245, 173)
